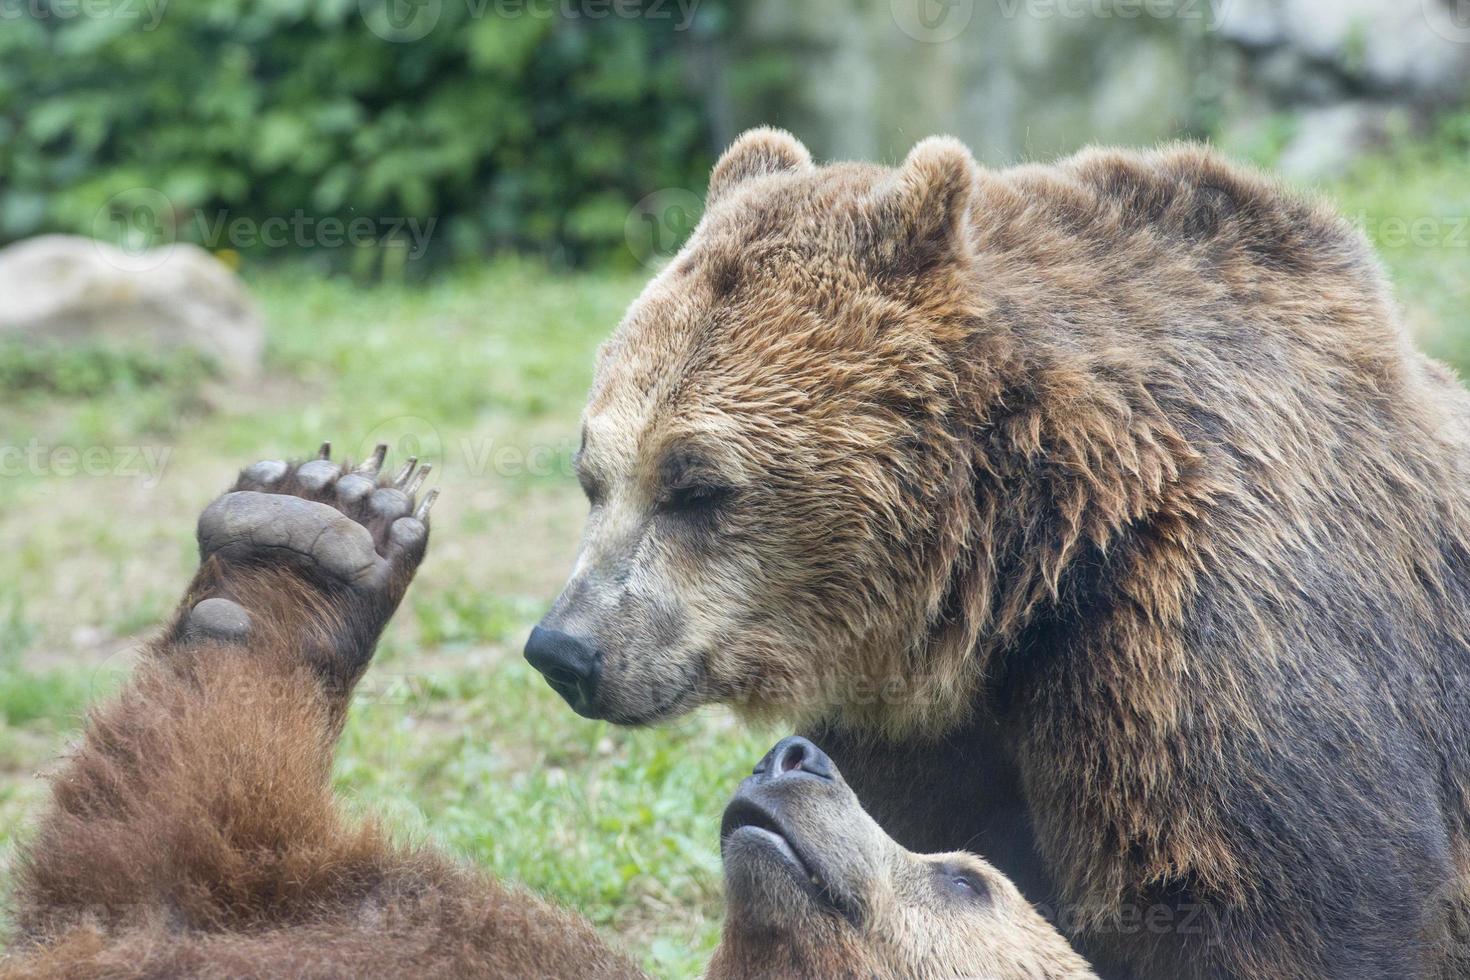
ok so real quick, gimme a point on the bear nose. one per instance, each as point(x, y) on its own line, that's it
point(793, 757)
point(569, 664)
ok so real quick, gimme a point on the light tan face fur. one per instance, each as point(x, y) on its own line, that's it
point(814, 888)
point(753, 479)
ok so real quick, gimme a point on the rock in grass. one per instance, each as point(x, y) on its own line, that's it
point(69, 290)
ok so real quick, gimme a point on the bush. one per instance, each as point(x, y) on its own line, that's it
point(274, 124)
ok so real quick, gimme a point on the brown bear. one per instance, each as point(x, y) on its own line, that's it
point(814, 888)
point(1099, 517)
point(194, 832)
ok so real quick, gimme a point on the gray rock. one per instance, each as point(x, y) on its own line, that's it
point(1251, 23)
point(70, 290)
point(1417, 47)
point(1328, 139)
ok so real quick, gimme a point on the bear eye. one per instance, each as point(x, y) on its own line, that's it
point(591, 488)
point(965, 884)
point(696, 498)
point(590, 485)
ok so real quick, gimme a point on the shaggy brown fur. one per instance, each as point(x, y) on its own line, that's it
point(1099, 516)
point(194, 832)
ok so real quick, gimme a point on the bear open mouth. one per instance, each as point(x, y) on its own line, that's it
point(744, 816)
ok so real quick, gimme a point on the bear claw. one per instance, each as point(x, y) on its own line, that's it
point(406, 471)
point(374, 463)
point(418, 479)
point(422, 514)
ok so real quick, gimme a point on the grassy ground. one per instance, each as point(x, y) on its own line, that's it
point(453, 737)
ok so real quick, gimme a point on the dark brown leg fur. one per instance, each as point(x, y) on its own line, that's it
point(194, 831)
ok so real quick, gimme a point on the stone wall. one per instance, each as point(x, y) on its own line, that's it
point(1030, 79)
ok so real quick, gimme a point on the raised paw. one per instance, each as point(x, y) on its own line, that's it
point(318, 550)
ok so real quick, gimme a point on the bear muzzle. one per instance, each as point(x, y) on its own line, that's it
point(570, 664)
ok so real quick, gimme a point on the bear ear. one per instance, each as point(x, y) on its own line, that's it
point(922, 214)
point(755, 153)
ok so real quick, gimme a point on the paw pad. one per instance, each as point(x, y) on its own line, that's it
point(267, 471)
point(217, 619)
point(353, 488)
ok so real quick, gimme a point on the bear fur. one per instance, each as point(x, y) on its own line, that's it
point(1099, 517)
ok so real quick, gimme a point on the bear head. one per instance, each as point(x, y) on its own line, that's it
point(815, 888)
point(780, 459)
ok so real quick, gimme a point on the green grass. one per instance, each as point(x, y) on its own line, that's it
point(1414, 204)
point(452, 738)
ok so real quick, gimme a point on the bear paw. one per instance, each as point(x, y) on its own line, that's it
point(319, 549)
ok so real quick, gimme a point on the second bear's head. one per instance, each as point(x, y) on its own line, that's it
point(778, 450)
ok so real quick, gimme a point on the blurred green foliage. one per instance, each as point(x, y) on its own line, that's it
point(523, 123)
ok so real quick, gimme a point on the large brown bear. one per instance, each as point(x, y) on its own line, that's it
point(194, 832)
point(1099, 517)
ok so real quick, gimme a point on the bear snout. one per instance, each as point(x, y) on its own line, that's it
point(570, 664)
